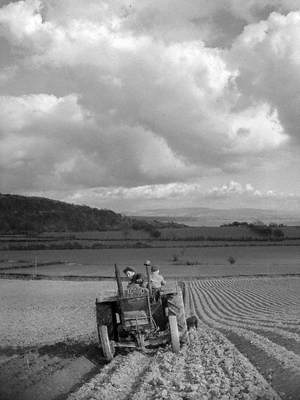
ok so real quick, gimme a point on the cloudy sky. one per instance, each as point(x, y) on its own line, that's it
point(145, 104)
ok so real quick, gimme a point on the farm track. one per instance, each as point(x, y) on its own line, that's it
point(261, 317)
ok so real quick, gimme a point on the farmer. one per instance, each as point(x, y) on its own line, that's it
point(134, 277)
point(157, 280)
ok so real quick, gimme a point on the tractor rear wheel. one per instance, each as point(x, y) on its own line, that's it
point(174, 333)
point(176, 307)
point(107, 348)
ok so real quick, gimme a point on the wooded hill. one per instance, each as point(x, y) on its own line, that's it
point(36, 214)
point(22, 214)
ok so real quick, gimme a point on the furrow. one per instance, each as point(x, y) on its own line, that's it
point(287, 358)
point(117, 381)
point(224, 307)
point(237, 305)
point(262, 302)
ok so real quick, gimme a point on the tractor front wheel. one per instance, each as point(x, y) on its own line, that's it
point(174, 333)
point(107, 348)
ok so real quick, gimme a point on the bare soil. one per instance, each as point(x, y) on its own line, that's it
point(209, 368)
point(261, 318)
point(48, 347)
point(285, 381)
point(47, 372)
point(46, 312)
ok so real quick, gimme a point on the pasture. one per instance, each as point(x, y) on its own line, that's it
point(173, 262)
point(169, 233)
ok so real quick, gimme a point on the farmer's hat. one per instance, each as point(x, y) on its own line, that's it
point(128, 269)
point(147, 263)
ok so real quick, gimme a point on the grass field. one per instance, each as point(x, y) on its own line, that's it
point(192, 232)
point(163, 237)
point(182, 261)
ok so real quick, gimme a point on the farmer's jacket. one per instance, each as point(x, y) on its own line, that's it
point(138, 279)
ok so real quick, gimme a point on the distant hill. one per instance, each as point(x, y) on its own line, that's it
point(202, 216)
point(24, 214)
point(37, 214)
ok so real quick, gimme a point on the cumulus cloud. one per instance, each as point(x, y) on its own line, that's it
point(17, 113)
point(132, 94)
point(32, 142)
point(229, 195)
point(58, 142)
point(234, 194)
point(267, 56)
point(257, 128)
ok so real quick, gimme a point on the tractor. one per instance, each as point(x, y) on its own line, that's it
point(140, 318)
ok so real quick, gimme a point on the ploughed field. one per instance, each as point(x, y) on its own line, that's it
point(247, 345)
point(210, 368)
point(261, 317)
point(45, 312)
point(48, 340)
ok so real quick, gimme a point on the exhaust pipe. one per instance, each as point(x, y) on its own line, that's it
point(119, 282)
